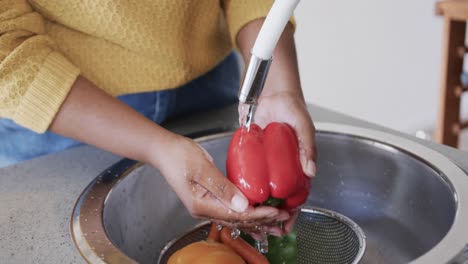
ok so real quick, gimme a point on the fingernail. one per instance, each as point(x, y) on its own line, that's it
point(310, 169)
point(239, 203)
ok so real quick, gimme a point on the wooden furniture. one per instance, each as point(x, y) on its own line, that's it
point(449, 126)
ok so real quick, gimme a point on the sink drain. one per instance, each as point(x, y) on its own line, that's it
point(323, 237)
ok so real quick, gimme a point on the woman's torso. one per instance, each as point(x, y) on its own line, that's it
point(135, 46)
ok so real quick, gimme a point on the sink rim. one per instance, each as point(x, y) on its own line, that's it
point(95, 246)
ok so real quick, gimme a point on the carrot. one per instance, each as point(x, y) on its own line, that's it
point(213, 236)
point(241, 247)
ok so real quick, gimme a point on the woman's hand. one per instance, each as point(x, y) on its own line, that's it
point(206, 192)
point(282, 99)
point(291, 109)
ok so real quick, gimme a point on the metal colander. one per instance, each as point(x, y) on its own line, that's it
point(323, 237)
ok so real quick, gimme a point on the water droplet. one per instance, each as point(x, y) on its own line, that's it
point(262, 244)
point(235, 233)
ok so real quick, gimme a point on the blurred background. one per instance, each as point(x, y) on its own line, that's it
point(376, 60)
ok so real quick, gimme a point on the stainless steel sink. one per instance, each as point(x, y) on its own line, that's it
point(410, 201)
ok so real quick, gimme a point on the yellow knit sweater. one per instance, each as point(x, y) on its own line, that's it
point(123, 46)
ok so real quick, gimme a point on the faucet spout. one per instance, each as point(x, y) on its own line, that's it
point(254, 80)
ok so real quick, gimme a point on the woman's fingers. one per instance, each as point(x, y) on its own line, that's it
point(209, 206)
point(289, 224)
point(305, 131)
point(220, 187)
point(292, 110)
point(254, 225)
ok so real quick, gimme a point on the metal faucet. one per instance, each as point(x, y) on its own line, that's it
point(261, 55)
point(254, 80)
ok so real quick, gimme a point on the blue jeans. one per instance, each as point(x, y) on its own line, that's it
point(212, 90)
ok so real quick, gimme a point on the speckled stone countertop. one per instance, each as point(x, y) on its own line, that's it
point(37, 196)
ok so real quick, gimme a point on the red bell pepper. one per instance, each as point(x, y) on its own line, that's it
point(265, 163)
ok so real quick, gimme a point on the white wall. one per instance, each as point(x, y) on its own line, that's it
point(378, 60)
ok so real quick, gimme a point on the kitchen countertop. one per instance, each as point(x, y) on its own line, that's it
point(37, 196)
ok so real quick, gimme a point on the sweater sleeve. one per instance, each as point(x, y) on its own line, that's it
point(239, 13)
point(34, 77)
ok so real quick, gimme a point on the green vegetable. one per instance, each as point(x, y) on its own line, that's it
point(273, 202)
point(281, 250)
